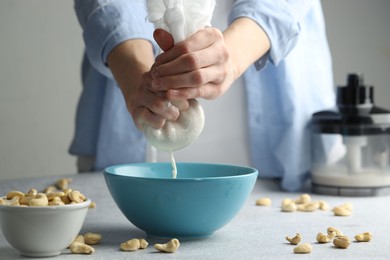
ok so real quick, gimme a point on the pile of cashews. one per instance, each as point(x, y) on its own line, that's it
point(52, 196)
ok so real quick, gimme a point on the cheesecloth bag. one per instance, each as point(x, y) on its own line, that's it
point(181, 18)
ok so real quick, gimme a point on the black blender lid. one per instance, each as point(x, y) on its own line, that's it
point(355, 114)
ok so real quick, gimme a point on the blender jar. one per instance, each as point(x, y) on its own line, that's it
point(351, 144)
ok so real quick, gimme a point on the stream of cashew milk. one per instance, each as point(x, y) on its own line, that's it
point(174, 169)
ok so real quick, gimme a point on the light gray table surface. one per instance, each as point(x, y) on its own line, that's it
point(255, 233)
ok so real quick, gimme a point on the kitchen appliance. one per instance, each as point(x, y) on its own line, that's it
point(351, 144)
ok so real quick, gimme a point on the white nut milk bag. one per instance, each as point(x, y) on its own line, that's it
point(181, 18)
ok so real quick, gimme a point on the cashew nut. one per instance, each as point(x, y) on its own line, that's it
point(304, 248)
point(92, 238)
point(49, 189)
point(63, 183)
point(169, 247)
point(56, 201)
point(347, 206)
point(54, 194)
point(323, 205)
point(76, 196)
point(341, 242)
point(288, 206)
point(294, 240)
point(32, 193)
point(14, 193)
point(25, 201)
point(79, 239)
point(263, 202)
point(364, 237)
point(66, 199)
point(131, 245)
point(308, 207)
point(67, 191)
point(303, 199)
point(143, 243)
point(12, 202)
point(39, 200)
point(323, 238)
point(340, 211)
point(334, 231)
point(80, 248)
point(92, 205)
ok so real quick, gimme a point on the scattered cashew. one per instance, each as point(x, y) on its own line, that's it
point(347, 206)
point(324, 238)
point(364, 237)
point(323, 205)
point(131, 245)
point(288, 205)
point(143, 243)
point(294, 240)
point(340, 211)
point(304, 248)
point(341, 242)
point(80, 248)
point(343, 210)
point(92, 238)
point(263, 202)
point(169, 247)
point(308, 207)
point(80, 239)
point(334, 232)
point(92, 205)
point(303, 199)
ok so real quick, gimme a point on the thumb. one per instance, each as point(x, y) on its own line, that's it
point(164, 39)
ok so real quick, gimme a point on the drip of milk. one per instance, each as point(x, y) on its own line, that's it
point(181, 18)
point(174, 169)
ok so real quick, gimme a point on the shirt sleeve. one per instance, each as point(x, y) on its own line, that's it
point(278, 18)
point(106, 23)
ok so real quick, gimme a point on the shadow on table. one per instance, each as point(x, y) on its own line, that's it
point(8, 252)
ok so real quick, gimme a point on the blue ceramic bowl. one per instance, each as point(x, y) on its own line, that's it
point(202, 199)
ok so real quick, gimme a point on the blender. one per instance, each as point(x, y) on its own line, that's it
point(351, 144)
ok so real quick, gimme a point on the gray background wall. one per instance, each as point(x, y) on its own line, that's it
point(40, 55)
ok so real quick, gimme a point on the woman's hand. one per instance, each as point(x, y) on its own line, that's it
point(130, 63)
point(209, 61)
point(199, 66)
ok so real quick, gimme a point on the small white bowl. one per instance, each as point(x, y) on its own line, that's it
point(42, 231)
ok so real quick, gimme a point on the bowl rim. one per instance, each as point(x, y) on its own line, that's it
point(108, 171)
point(83, 204)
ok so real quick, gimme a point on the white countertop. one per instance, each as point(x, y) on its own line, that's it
point(255, 233)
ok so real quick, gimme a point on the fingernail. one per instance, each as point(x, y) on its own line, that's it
point(174, 93)
point(156, 84)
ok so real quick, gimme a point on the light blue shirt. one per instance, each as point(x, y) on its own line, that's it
point(284, 88)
